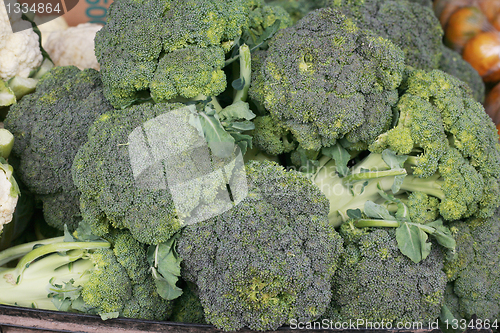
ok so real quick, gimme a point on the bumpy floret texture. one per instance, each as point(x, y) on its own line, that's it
point(120, 281)
point(19, 50)
point(323, 79)
point(475, 269)
point(452, 63)
point(454, 137)
point(412, 27)
point(298, 8)
point(270, 137)
point(376, 282)
point(126, 169)
point(267, 260)
point(145, 31)
point(49, 126)
point(187, 308)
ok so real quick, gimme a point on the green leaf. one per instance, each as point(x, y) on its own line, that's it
point(238, 84)
point(237, 111)
point(412, 242)
point(443, 235)
point(243, 126)
point(341, 157)
point(354, 214)
point(375, 211)
point(220, 142)
point(109, 315)
point(268, 33)
point(395, 162)
point(392, 160)
point(165, 268)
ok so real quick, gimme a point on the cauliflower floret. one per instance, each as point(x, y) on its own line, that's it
point(74, 46)
point(8, 199)
point(19, 52)
point(47, 25)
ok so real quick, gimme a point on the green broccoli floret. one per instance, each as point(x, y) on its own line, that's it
point(453, 63)
point(174, 48)
point(187, 308)
point(90, 276)
point(49, 126)
point(267, 260)
point(412, 27)
point(270, 137)
point(474, 271)
point(324, 79)
point(136, 163)
point(376, 283)
point(297, 8)
point(453, 137)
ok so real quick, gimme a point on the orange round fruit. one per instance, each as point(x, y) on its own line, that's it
point(492, 104)
point(483, 53)
point(463, 25)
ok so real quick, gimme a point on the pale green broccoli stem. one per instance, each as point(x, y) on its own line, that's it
point(19, 251)
point(52, 269)
point(6, 143)
point(43, 250)
point(245, 73)
point(344, 196)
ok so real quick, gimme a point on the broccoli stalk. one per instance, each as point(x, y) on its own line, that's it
point(34, 281)
point(367, 178)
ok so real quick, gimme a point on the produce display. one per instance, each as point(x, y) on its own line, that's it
point(252, 164)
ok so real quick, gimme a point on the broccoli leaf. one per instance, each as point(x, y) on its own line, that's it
point(341, 157)
point(412, 242)
point(377, 211)
point(165, 266)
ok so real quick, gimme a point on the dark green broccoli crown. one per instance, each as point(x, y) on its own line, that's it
point(376, 282)
point(475, 268)
point(412, 27)
point(145, 302)
point(323, 78)
point(187, 308)
point(49, 126)
point(150, 37)
point(102, 171)
point(297, 8)
point(453, 63)
point(439, 120)
point(268, 259)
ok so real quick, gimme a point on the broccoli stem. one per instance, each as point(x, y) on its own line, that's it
point(376, 223)
point(245, 73)
point(344, 194)
point(35, 286)
point(19, 251)
point(52, 247)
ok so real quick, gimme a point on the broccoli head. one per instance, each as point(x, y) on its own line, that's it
point(173, 48)
point(409, 25)
point(85, 275)
point(474, 270)
point(453, 63)
point(148, 170)
point(453, 140)
point(49, 126)
point(297, 8)
point(267, 260)
point(376, 282)
point(324, 79)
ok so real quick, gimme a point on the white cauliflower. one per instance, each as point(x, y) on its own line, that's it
point(74, 46)
point(19, 52)
point(47, 25)
point(9, 193)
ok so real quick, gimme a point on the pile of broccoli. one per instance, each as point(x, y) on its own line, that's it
point(253, 164)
